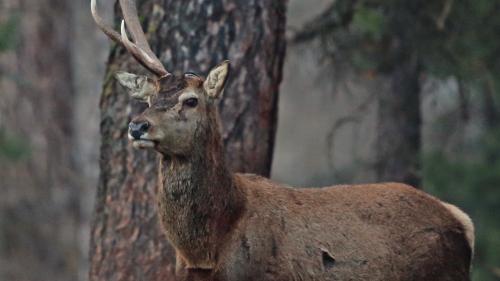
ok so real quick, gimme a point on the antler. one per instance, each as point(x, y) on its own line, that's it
point(140, 50)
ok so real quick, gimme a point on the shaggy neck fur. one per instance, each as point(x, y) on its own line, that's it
point(198, 200)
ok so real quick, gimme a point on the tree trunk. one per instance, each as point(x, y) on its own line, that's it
point(399, 121)
point(398, 132)
point(127, 243)
point(39, 205)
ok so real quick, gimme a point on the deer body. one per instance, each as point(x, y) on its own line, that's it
point(337, 234)
point(237, 227)
point(246, 227)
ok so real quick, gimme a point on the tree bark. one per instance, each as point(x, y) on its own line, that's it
point(398, 132)
point(39, 205)
point(127, 243)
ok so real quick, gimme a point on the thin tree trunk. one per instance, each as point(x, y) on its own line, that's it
point(127, 243)
point(398, 141)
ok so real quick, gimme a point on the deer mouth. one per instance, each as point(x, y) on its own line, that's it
point(143, 143)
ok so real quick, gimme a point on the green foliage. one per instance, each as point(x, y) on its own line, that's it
point(370, 23)
point(474, 186)
point(12, 148)
point(467, 47)
point(460, 41)
point(8, 33)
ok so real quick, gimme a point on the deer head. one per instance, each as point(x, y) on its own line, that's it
point(181, 107)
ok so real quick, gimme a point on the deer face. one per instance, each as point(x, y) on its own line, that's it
point(178, 108)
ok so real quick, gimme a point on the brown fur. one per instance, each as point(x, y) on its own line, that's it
point(240, 227)
point(250, 228)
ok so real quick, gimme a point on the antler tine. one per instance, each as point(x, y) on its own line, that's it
point(152, 63)
point(115, 36)
point(130, 14)
point(140, 51)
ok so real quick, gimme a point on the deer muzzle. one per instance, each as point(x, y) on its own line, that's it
point(138, 129)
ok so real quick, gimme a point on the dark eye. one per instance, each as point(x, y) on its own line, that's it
point(191, 102)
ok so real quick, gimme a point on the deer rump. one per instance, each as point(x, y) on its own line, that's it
point(371, 232)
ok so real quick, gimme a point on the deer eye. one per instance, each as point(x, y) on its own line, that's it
point(191, 102)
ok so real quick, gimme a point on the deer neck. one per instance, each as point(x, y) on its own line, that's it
point(198, 201)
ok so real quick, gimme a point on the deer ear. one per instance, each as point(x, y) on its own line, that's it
point(139, 86)
point(216, 80)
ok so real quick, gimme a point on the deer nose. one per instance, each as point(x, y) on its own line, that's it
point(137, 129)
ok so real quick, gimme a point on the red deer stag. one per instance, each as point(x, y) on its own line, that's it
point(230, 226)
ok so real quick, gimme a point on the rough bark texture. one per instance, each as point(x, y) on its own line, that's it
point(39, 205)
point(127, 243)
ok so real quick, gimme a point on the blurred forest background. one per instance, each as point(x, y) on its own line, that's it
point(372, 90)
